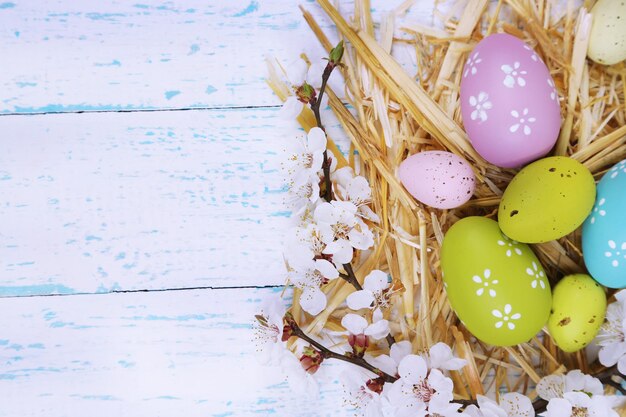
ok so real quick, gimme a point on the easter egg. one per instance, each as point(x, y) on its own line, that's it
point(607, 40)
point(578, 307)
point(509, 104)
point(547, 200)
point(438, 179)
point(604, 231)
point(495, 285)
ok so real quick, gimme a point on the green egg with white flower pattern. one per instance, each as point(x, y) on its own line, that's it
point(495, 285)
point(578, 307)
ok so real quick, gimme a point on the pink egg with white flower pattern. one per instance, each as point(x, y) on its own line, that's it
point(509, 104)
point(438, 179)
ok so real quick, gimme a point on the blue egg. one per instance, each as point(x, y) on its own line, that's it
point(604, 231)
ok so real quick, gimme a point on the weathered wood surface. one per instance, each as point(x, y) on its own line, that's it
point(60, 55)
point(96, 203)
point(102, 202)
point(183, 353)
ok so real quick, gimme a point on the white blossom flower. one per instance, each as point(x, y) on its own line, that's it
point(373, 294)
point(305, 160)
point(389, 363)
point(340, 218)
point(420, 392)
point(356, 190)
point(357, 325)
point(537, 274)
point(295, 75)
point(513, 75)
point(597, 210)
point(511, 246)
point(300, 381)
point(305, 243)
point(309, 277)
point(576, 394)
point(367, 403)
point(470, 65)
point(484, 282)
point(617, 168)
point(511, 404)
point(480, 105)
point(611, 337)
point(522, 121)
point(268, 332)
point(506, 317)
point(440, 357)
point(616, 252)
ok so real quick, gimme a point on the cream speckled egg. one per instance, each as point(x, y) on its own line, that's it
point(607, 40)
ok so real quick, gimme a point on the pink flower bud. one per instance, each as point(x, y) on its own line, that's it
point(311, 360)
point(359, 343)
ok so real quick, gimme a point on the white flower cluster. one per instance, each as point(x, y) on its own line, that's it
point(612, 334)
point(327, 232)
point(576, 394)
point(422, 388)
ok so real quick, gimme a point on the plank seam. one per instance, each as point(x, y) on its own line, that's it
point(240, 287)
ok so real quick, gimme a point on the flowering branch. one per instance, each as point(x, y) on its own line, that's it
point(292, 329)
point(334, 60)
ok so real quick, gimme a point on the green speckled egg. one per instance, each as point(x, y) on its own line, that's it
point(578, 307)
point(495, 285)
point(547, 200)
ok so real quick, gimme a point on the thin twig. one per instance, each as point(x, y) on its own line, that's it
point(329, 354)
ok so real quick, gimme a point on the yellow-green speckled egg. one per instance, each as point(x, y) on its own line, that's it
point(496, 286)
point(547, 200)
point(578, 307)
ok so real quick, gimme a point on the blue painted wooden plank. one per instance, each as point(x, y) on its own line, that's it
point(145, 354)
point(120, 201)
point(66, 56)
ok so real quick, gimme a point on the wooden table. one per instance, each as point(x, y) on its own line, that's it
point(142, 206)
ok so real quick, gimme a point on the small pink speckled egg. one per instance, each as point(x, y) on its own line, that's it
point(438, 179)
point(510, 107)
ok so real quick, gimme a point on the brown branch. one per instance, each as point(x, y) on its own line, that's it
point(329, 354)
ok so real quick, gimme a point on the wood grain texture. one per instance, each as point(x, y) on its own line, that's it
point(182, 353)
point(104, 201)
point(64, 56)
point(126, 201)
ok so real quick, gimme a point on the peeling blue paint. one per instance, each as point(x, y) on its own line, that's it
point(114, 63)
point(252, 7)
point(194, 49)
point(172, 93)
point(16, 291)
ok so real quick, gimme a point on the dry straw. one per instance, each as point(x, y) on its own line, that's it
point(399, 114)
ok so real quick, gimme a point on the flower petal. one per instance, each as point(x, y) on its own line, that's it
point(316, 139)
point(291, 108)
point(559, 407)
point(376, 281)
point(378, 330)
point(354, 323)
point(551, 386)
point(313, 301)
point(360, 299)
point(400, 350)
point(341, 250)
point(326, 268)
point(516, 405)
point(412, 369)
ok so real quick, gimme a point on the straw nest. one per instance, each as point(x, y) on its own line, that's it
point(399, 114)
